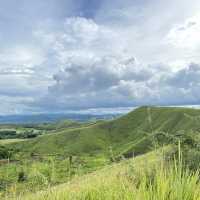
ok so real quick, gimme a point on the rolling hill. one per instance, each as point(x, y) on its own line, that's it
point(135, 132)
point(75, 149)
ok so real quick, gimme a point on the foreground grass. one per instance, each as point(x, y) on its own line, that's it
point(147, 177)
point(44, 172)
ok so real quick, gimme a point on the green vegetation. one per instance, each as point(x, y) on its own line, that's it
point(5, 153)
point(148, 177)
point(136, 132)
point(29, 171)
point(9, 141)
point(67, 151)
point(63, 124)
point(27, 131)
point(18, 133)
point(39, 173)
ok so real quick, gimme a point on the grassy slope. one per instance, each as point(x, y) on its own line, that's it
point(132, 132)
point(145, 177)
point(63, 124)
point(9, 141)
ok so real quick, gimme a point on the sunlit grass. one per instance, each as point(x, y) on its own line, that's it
point(9, 141)
point(147, 177)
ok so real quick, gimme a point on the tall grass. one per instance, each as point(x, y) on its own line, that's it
point(138, 179)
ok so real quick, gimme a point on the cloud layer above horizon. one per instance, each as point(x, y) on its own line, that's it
point(58, 55)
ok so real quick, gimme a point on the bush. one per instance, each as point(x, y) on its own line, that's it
point(8, 134)
point(22, 176)
point(192, 159)
point(5, 153)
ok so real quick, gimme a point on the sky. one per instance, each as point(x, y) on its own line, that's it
point(60, 55)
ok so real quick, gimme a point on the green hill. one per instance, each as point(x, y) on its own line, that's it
point(135, 132)
point(54, 126)
point(70, 151)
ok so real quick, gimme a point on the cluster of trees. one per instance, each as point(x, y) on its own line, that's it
point(8, 134)
point(11, 134)
point(30, 134)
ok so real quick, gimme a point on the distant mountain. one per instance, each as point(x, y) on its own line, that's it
point(95, 114)
point(46, 118)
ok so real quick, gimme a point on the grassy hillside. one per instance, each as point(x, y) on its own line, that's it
point(9, 141)
point(135, 132)
point(22, 131)
point(146, 177)
point(63, 124)
point(70, 151)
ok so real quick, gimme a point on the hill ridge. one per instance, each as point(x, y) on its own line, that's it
point(119, 134)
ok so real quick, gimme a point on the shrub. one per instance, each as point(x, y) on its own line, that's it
point(22, 176)
point(5, 153)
